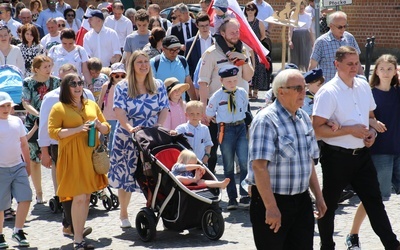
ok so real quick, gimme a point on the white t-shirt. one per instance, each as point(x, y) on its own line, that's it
point(11, 130)
point(49, 41)
point(305, 18)
point(310, 10)
point(60, 57)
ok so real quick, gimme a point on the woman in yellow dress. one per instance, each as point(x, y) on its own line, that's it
point(69, 124)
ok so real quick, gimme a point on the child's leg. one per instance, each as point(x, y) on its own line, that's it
point(185, 180)
point(215, 184)
point(358, 219)
point(242, 154)
point(22, 213)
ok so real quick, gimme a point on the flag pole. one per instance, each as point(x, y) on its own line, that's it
point(192, 46)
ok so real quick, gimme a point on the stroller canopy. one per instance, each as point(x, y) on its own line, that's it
point(11, 82)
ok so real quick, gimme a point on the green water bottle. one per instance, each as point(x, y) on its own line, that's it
point(92, 135)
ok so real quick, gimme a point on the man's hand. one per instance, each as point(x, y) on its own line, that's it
point(273, 218)
point(320, 208)
point(370, 139)
point(46, 159)
point(359, 131)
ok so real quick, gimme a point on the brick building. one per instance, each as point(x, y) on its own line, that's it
point(379, 18)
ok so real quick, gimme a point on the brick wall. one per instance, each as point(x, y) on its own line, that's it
point(379, 18)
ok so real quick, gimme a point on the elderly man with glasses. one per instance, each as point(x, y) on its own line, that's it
point(323, 54)
point(282, 152)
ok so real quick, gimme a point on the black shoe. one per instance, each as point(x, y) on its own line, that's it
point(352, 242)
point(21, 239)
point(244, 202)
point(232, 204)
point(346, 194)
point(3, 243)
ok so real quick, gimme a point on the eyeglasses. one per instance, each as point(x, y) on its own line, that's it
point(173, 17)
point(61, 25)
point(340, 26)
point(72, 15)
point(298, 88)
point(250, 9)
point(73, 84)
point(116, 76)
point(174, 50)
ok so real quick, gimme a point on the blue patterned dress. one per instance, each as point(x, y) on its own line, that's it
point(141, 111)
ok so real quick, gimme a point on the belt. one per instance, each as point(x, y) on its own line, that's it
point(234, 123)
point(355, 151)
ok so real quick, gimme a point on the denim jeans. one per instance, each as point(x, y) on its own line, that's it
point(235, 141)
point(112, 123)
point(388, 170)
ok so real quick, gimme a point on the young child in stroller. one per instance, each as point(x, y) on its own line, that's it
point(187, 163)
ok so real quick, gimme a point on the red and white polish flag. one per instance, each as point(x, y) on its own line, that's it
point(85, 27)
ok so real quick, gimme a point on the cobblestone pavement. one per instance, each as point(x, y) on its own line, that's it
point(44, 228)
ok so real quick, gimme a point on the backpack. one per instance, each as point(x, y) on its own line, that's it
point(157, 61)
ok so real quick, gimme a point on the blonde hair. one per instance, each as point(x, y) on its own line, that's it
point(149, 81)
point(106, 71)
point(186, 156)
point(194, 104)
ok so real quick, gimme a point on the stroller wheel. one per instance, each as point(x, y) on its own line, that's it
point(115, 201)
point(213, 224)
point(107, 203)
point(146, 225)
point(54, 205)
point(93, 199)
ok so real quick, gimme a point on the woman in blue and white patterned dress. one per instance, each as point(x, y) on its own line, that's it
point(139, 101)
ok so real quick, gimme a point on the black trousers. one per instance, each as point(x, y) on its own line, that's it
point(340, 169)
point(297, 222)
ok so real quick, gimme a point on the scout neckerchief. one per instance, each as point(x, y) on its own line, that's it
point(231, 100)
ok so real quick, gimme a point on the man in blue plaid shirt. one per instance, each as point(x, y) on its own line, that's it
point(281, 169)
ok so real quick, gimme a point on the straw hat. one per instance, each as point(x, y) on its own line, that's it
point(172, 84)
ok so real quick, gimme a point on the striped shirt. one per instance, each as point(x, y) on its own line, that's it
point(288, 144)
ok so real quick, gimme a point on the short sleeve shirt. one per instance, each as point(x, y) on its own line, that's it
point(198, 137)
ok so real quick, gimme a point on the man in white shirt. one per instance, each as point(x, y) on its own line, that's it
point(48, 13)
point(101, 42)
point(80, 11)
point(53, 37)
point(7, 20)
point(264, 11)
point(118, 22)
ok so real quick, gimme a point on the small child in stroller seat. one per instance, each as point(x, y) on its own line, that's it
point(183, 170)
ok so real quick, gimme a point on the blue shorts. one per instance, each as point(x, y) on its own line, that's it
point(14, 181)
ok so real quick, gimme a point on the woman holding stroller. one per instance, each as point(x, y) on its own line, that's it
point(69, 124)
point(139, 101)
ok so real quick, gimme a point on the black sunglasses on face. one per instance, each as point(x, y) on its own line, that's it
point(73, 84)
point(341, 27)
point(173, 17)
point(250, 9)
point(61, 25)
point(116, 76)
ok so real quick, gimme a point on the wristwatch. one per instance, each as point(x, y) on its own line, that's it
point(207, 154)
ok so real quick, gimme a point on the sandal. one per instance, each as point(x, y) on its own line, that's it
point(82, 246)
point(255, 94)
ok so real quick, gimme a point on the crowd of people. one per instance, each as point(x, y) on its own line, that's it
point(135, 69)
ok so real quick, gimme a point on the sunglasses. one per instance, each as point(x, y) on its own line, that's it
point(73, 84)
point(341, 27)
point(298, 88)
point(116, 76)
point(173, 17)
point(250, 9)
point(61, 25)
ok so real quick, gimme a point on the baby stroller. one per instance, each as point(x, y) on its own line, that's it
point(180, 207)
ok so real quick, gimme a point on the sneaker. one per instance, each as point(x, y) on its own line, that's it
point(352, 242)
point(87, 231)
point(3, 243)
point(20, 238)
point(346, 194)
point(244, 202)
point(232, 204)
point(125, 223)
point(67, 231)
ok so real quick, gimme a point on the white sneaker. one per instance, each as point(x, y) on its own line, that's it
point(125, 223)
